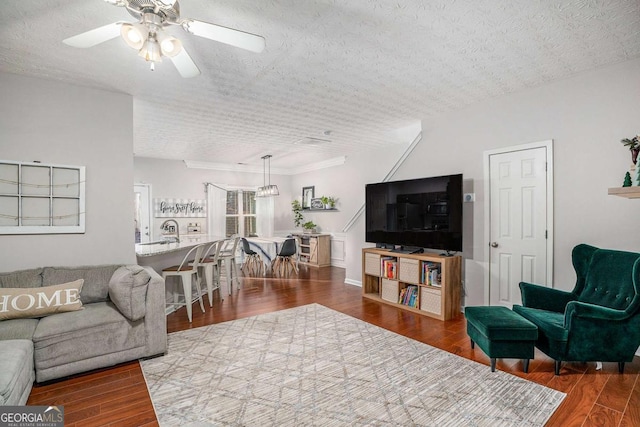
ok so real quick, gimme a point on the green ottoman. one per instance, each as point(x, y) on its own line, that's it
point(501, 333)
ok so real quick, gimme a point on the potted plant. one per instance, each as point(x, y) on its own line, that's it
point(332, 202)
point(634, 146)
point(325, 201)
point(309, 227)
point(296, 207)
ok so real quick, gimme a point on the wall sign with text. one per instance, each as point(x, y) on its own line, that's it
point(179, 208)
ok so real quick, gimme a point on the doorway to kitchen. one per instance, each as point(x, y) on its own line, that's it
point(142, 212)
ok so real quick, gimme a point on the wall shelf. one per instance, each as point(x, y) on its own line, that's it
point(628, 192)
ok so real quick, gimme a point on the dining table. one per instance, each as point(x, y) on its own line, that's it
point(266, 247)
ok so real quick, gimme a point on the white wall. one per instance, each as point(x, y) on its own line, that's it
point(171, 179)
point(347, 183)
point(586, 116)
point(64, 124)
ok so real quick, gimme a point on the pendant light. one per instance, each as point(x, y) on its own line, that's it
point(267, 190)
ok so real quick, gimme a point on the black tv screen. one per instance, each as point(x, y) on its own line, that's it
point(419, 213)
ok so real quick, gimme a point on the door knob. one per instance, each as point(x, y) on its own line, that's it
point(494, 244)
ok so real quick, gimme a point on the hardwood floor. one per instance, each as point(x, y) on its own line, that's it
point(118, 396)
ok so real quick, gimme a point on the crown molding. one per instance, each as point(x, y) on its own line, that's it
point(229, 167)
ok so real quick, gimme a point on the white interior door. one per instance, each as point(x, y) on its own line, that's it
point(142, 212)
point(519, 190)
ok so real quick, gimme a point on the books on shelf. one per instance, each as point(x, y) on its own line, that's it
point(431, 274)
point(409, 296)
point(389, 267)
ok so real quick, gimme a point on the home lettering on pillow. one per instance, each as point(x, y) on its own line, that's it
point(39, 302)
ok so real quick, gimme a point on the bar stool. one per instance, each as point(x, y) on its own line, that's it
point(228, 256)
point(209, 265)
point(186, 272)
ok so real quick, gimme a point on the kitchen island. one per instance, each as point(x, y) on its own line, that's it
point(164, 253)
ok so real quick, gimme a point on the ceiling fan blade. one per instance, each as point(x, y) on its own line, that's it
point(185, 65)
point(95, 36)
point(248, 41)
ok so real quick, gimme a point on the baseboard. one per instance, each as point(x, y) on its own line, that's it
point(357, 283)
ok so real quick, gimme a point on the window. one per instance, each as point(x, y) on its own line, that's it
point(241, 213)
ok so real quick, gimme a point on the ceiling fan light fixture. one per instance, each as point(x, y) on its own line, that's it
point(132, 35)
point(150, 50)
point(169, 46)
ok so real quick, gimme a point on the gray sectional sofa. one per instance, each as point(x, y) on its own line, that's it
point(122, 318)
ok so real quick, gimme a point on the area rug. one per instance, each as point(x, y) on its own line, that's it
point(311, 365)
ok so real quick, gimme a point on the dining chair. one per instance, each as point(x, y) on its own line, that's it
point(186, 272)
point(285, 258)
point(209, 265)
point(252, 261)
point(227, 256)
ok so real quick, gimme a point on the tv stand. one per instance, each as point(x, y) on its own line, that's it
point(407, 250)
point(427, 284)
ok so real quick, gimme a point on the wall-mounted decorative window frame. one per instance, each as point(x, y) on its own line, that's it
point(38, 198)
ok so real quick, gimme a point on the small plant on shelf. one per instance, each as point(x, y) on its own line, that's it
point(634, 146)
point(309, 227)
point(296, 207)
point(328, 202)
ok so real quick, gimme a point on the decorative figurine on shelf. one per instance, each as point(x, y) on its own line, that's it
point(636, 178)
point(627, 180)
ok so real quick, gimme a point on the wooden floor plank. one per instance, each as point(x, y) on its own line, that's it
point(575, 408)
point(631, 416)
point(118, 396)
point(617, 391)
point(602, 416)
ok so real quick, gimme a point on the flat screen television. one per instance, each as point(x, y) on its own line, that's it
point(416, 213)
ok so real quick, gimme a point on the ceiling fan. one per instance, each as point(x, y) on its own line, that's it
point(149, 38)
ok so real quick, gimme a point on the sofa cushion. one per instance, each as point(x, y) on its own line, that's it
point(17, 329)
point(38, 302)
point(97, 330)
point(96, 280)
point(16, 375)
point(22, 279)
point(550, 322)
point(128, 290)
point(498, 323)
point(609, 281)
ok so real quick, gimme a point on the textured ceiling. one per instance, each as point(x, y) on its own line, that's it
point(361, 69)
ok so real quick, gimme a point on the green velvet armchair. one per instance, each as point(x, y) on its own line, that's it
point(599, 320)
